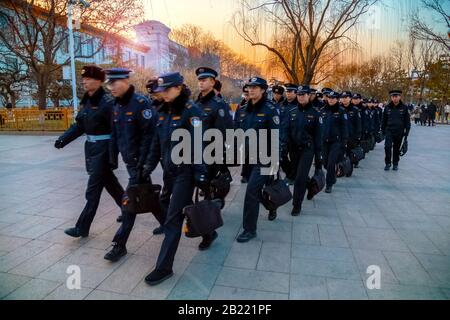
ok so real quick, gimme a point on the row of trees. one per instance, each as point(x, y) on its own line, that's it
point(310, 36)
point(33, 33)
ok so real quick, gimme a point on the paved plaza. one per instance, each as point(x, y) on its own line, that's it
point(399, 221)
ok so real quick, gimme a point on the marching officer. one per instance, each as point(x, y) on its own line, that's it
point(177, 112)
point(245, 169)
point(395, 126)
point(133, 128)
point(289, 103)
point(335, 137)
point(315, 99)
point(303, 130)
point(278, 95)
point(357, 101)
point(354, 121)
point(258, 114)
point(217, 115)
point(94, 120)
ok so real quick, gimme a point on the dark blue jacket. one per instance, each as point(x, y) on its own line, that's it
point(217, 113)
point(181, 114)
point(396, 120)
point(263, 115)
point(133, 128)
point(303, 130)
point(354, 122)
point(94, 119)
point(335, 124)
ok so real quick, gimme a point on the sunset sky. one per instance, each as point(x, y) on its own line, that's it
point(215, 15)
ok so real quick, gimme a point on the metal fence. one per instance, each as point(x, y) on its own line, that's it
point(35, 120)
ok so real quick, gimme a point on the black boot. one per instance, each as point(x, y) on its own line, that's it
point(272, 215)
point(246, 236)
point(116, 253)
point(296, 211)
point(329, 189)
point(158, 231)
point(387, 168)
point(395, 168)
point(157, 277)
point(207, 241)
point(76, 233)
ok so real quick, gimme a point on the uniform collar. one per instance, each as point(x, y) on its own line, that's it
point(257, 106)
point(126, 97)
point(177, 106)
point(204, 99)
point(95, 98)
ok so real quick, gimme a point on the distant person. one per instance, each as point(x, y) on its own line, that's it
point(446, 112)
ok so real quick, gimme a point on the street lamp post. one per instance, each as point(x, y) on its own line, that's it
point(72, 50)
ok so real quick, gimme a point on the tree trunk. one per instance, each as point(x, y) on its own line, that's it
point(42, 96)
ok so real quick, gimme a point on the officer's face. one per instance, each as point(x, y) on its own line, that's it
point(206, 85)
point(356, 101)
point(119, 87)
point(277, 96)
point(303, 98)
point(396, 99)
point(346, 101)
point(255, 93)
point(332, 101)
point(91, 85)
point(171, 94)
point(291, 95)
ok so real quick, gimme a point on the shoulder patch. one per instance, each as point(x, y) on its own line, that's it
point(147, 114)
point(222, 113)
point(345, 116)
point(196, 122)
point(276, 120)
point(320, 120)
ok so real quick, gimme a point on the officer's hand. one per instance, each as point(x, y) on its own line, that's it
point(201, 182)
point(59, 144)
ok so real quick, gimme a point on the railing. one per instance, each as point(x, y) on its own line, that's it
point(34, 119)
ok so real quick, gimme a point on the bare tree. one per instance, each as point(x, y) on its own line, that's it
point(311, 28)
point(424, 30)
point(35, 32)
point(13, 78)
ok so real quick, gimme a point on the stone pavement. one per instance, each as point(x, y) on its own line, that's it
point(399, 221)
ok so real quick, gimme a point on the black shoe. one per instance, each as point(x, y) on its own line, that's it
point(387, 168)
point(119, 219)
point(244, 180)
point(157, 277)
point(246, 236)
point(290, 182)
point(158, 231)
point(272, 215)
point(116, 253)
point(207, 241)
point(75, 233)
point(329, 189)
point(296, 211)
point(395, 168)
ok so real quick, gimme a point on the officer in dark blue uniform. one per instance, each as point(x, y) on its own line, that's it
point(395, 126)
point(94, 120)
point(278, 96)
point(315, 99)
point(303, 131)
point(335, 137)
point(133, 128)
point(357, 101)
point(354, 121)
point(217, 115)
point(288, 104)
point(325, 92)
point(377, 116)
point(245, 169)
point(259, 113)
point(177, 113)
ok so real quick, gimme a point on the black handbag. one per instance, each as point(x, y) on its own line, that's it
point(276, 194)
point(143, 198)
point(379, 137)
point(357, 154)
point(316, 184)
point(404, 148)
point(344, 168)
point(203, 217)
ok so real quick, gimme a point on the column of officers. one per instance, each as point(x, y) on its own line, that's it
point(318, 128)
